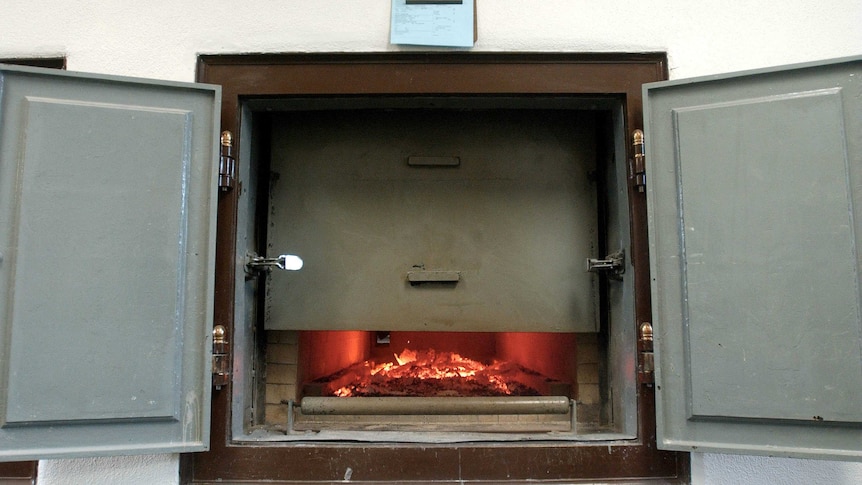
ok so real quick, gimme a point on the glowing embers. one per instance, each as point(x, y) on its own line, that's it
point(428, 373)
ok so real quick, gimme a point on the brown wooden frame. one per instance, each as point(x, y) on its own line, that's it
point(617, 76)
point(48, 62)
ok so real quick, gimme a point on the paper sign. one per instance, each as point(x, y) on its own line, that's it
point(436, 24)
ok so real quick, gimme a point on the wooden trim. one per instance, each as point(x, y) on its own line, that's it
point(18, 472)
point(49, 62)
point(617, 76)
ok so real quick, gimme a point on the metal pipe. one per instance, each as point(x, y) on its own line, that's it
point(435, 405)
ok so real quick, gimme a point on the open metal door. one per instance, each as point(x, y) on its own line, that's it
point(754, 181)
point(107, 230)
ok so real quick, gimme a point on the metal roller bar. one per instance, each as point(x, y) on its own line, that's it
point(435, 405)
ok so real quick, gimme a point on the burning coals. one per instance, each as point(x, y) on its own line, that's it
point(428, 373)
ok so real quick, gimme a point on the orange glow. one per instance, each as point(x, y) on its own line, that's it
point(429, 372)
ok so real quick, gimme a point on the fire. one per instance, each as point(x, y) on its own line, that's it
point(429, 372)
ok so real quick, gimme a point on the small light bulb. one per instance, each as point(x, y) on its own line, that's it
point(292, 262)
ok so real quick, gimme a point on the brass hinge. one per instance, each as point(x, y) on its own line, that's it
point(638, 166)
point(221, 357)
point(227, 163)
point(646, 362)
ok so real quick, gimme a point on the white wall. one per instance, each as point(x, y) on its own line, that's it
point(161, 39)
point(115, 470)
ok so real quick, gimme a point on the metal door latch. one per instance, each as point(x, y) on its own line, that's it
point(614, 265)
point(286, 262)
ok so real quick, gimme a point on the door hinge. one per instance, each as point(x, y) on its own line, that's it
point(638, 164)
point(614, 265)
point(646, 361)
point(227, 163)
point(221, 357)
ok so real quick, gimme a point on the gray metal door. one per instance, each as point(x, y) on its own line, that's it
point(430, 220)
point(107, 224)
point(753, 183)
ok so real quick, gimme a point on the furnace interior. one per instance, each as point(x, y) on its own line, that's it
point(459, 225)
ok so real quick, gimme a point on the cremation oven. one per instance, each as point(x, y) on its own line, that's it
point(473, 280)
point(463, 265)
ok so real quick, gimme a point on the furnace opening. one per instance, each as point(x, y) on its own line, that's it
point(351, 364)
point(429, 364)
point(444, 287)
